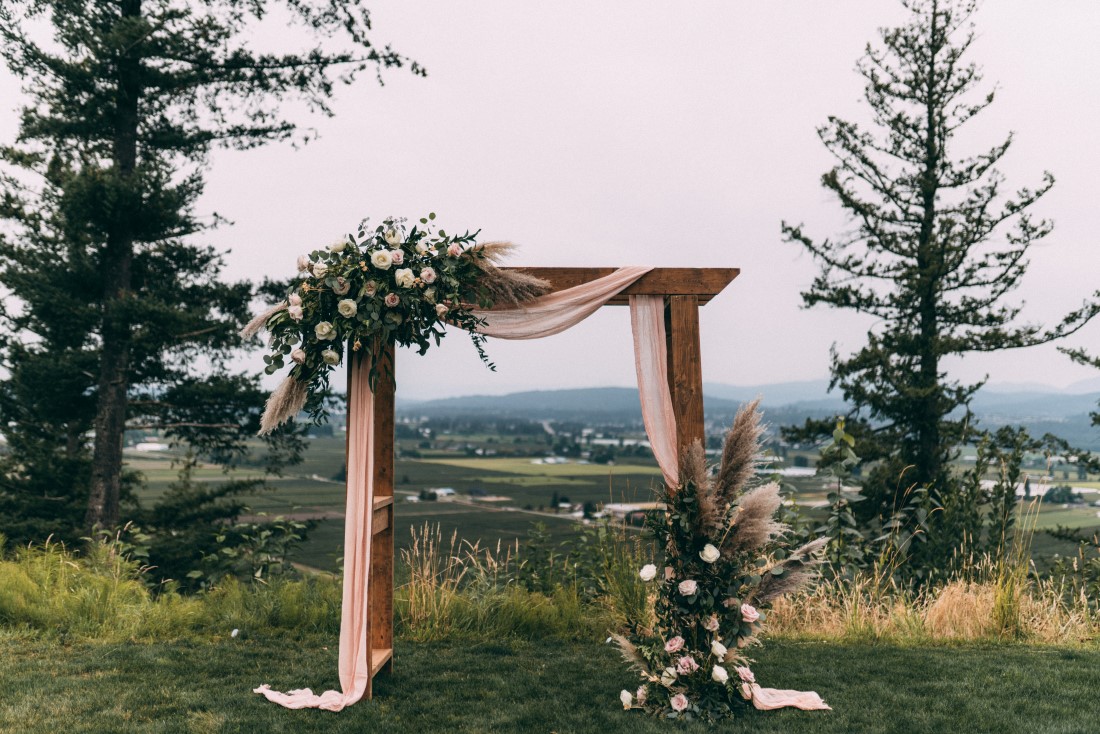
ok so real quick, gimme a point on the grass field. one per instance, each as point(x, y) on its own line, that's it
point(520, 686)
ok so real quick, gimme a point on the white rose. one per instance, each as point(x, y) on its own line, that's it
point(381, 259)
point(319, 270)
point(429, 295)
point(347, 308)
point(392, 237)
point(298, 356)
point(404, 277)
point(719, 674)
point(421, 247)
point(710, 554)
point(325, 331)
point(440, 310)
point(718, 650)
point(668, 677)
point(295, 312)
point(687, 588)
point(303, 263)
point(342, 286)
point(338, 245)
point(648, 572)
point(294, 299)
point(331, 356)
point(626, 698)
point(428, 275)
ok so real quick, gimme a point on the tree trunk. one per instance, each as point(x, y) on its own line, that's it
point(929, 263)
point(114, 364)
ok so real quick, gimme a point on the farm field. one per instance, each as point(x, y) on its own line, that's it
point(311, 492)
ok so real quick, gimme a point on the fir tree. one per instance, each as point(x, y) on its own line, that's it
point(936, 247)
point(115, 316)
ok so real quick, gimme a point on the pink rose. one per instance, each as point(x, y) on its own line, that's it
point(428, 275)
point(440, 310)
point(294, 299)
point(295, 312)
point(679, 702)
point(711, 625)
point(670, 573)
point(392, 300)
point(749, 613)
point(303, 263)
point(745, 674)
point(688, 588)
point(686, 665)
point(675, 644)
point(370, 289)
point(398, 256)
point(454, 250)
point(746, 691)
point(342, 286)
point(640, 695)
point(298, 356)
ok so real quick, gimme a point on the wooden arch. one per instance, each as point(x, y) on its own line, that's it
point(684, 289)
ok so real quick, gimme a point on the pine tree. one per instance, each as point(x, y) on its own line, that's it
point(936, 247)
point(115, 316)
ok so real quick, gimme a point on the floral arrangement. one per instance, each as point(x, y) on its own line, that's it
point(723, 567)
point(388, 284)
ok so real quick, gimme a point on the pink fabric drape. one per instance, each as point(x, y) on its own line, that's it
point(545, 316)
point(354, 665)
point(647, 322)
point(767, 699)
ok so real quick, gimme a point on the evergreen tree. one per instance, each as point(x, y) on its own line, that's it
point(936, 248)
point(114, 315)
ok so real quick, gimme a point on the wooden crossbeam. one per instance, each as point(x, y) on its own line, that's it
point(703, 283)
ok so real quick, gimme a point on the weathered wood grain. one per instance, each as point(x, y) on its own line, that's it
point(705, 283)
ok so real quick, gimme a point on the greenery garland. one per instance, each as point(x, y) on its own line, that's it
point(389, 284)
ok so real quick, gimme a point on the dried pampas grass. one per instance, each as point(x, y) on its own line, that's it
point(739, 455)
point(253, 327)
point(753, 524)
point(709, 513)
point(799, 568)
point(285, 403)
point(505, 287)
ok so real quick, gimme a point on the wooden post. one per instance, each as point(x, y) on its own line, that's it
point(685, 368)
point(380, 593)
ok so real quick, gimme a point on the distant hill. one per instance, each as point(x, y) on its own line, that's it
point(1061, 412)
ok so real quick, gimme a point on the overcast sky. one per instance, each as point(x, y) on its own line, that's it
point(666, 134)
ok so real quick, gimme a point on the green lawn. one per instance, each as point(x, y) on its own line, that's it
point(516, 686)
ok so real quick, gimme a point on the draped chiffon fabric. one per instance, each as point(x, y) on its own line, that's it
point(543, 316)
point(354, 662)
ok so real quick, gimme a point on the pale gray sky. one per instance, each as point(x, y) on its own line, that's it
point(667, 134)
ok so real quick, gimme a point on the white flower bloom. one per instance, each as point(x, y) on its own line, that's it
point(303, 263)
point(710, 554)
point(719, 674)
point(294, 299)
point(404, 277)
point(429, 295)
point(441, 310)
point(295, 312)
point(428, 275)
point(392, 237)
point(331, 356)
point(338, 245)
point(421, 247)
point(319, 270)
point(298, 356)
point(370, 288)
point(668, 677)
point(325, 331)
point(381, 259)
point(626, 698)
point(688, 587)
point(347, 308)
point(648, 572)
point(718, 649)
